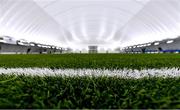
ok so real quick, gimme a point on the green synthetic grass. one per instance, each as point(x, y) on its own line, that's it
point(108, 61)
point(85, 92)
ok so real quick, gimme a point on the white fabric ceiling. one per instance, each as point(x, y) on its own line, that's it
point(79, 23)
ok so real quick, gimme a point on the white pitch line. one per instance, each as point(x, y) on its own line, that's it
point(123, 73)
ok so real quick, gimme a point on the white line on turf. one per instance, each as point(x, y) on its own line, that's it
point(123, 73)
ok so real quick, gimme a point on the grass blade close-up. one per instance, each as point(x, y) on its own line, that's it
point(115, 81)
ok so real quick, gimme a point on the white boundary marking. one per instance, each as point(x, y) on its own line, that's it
point(123, 73)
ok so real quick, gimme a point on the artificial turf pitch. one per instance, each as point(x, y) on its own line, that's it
point(89, 92)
